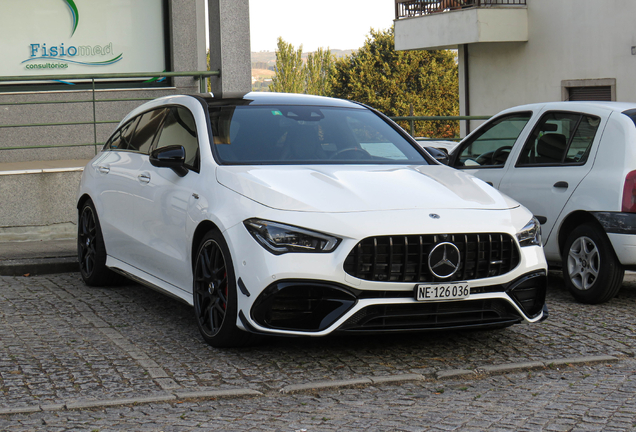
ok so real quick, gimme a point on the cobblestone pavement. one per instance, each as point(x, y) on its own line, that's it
point(67, 352)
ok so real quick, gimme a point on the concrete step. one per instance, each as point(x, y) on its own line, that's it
point(39, 194)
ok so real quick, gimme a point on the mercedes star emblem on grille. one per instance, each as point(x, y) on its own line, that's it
point(444, 259)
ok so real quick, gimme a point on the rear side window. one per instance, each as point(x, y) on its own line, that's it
point(120, 140)
point(491, 145)
point(138, 134)
point(560, 138)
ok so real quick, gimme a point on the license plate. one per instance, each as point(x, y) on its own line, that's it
point(448, 291)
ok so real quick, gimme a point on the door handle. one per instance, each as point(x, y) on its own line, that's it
point(561, 184)
point(144, 177)
point(103, 169)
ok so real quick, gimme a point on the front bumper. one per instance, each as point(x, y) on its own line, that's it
point(308, 294)
point(314, 307)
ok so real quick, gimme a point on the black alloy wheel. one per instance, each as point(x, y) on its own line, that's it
point(91, 252)
point(591, 270)
point(214, 293)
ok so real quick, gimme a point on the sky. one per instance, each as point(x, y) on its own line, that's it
point(334, 24)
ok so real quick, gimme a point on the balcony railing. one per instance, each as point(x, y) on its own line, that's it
point(412, 8)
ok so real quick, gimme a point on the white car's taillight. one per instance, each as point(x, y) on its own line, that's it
point(629, 193)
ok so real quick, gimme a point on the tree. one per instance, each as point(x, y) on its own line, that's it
point(290, 70)
point(396, 82)
point(318, 72)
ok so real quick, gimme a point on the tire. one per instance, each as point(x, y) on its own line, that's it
point(591, 271)
point(91, 252)
point(214, 294)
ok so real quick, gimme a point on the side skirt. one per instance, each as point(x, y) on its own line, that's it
point(148, 280)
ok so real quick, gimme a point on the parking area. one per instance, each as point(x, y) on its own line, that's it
point(69, 352)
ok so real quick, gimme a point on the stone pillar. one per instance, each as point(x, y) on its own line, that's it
point(187, 50)
point(229, 25)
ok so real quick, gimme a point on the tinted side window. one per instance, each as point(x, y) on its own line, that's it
point(491, 145)
point(179, 129)
point(146, 130)
point(560, 138)
point(120, 140)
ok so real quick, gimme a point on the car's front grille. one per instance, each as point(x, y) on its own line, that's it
point(432, 316)
point(404, 258)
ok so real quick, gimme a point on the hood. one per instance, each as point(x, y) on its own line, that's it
point(356, 188)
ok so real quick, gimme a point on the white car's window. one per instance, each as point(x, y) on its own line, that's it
point(179, 128)
point(560, 139)
point(307, 135)
point(146, 130)
point(138, 134)
point(491, 145)
point(120, 140)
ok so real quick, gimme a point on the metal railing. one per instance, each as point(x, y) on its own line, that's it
point(412, 8)
point(92, 79)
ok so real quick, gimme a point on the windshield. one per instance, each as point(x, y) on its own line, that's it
point(274, 135)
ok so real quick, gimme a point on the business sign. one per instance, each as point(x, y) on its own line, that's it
point(70, 37)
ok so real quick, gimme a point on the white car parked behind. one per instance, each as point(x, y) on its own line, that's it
point(573, 164)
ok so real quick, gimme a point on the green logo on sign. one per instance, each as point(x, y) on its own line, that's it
point(74, 13)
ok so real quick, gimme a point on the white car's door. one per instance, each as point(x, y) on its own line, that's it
point(162, 212)
point(486, 153)
point(116, 171)
point(554, 159)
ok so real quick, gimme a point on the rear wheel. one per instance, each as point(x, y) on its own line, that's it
point(214, 294)
point(591, 271)
point(91, 252)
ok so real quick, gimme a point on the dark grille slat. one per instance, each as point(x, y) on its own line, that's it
point(390, 260)
point(502, 254)
point(374, 267)
point(490, 251)
point(420, 258)
point(405, 258)
point(465, 272)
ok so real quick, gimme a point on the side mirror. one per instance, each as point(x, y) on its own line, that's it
point(170, 157)
point(440, 155)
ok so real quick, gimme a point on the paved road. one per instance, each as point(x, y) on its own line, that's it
point(127, 358)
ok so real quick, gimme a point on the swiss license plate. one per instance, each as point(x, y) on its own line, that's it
point(442, 291)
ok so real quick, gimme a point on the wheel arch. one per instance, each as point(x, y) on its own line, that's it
point(200, 231)
point(572, 221)
point(82, 200)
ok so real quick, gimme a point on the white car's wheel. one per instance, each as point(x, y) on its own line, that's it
point(91, 252)
point(214, 291)
point(591, 271)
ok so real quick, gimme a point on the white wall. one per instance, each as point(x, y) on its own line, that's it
point(568, 39)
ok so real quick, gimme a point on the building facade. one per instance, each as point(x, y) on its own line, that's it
point(513, 52)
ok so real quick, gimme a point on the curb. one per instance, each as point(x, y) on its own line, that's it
point(38, 266)
point(313, 386)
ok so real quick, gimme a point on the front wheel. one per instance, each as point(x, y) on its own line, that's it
point(214, 293)
point(591, 271)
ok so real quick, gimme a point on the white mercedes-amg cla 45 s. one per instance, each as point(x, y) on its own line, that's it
point(300, 215)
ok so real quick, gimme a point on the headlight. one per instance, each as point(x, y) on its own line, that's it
point(530, 235)
point(278, 238)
